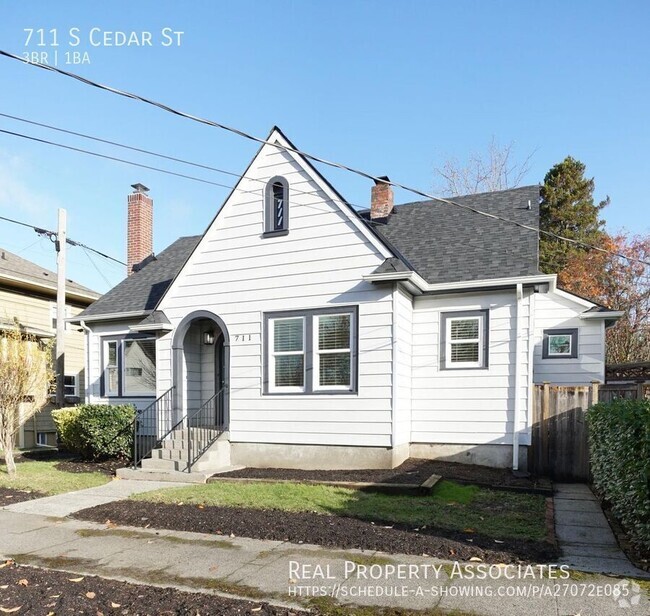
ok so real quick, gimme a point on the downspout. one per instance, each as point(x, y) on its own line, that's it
point(517, 410)
point(88, 331)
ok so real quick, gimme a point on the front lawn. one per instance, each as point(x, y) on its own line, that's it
point(42, 476)
point(468, 509)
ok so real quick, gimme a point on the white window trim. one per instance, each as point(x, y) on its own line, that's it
point(273, 354)
point(317, 353)
point(37, 439)
point(568, 353)
point(458, 365)
point(76, 385)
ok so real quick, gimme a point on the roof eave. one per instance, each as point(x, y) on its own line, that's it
point(109, 316)
point(24, 283)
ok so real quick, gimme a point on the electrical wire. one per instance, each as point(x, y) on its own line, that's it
point(307, 155)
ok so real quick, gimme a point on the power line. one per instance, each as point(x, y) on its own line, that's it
point(96, 268)
point(307, 155)
point(52, 234)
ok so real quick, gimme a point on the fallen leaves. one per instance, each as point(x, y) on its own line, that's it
point(23, 582)
point(115, 605)
point(79, 579)
point(91, 595)
point(9, 610)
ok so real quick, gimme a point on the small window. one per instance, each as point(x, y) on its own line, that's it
point(276, 215)
point(54, 315)
point(41, 439)
point(311, 352)
point(334, 351)
point(70, 385)
point(129, 367)
point(560, 344)
point(111, 368)
point(464, 340)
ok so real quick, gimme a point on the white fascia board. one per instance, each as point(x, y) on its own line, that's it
point(114, 316)
point(610, 314)
point(581, 301)
point(463, 285)
point(152, 327)
point(343, 207)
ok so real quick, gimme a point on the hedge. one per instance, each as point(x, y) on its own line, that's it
point(96, 431)
point(619, 448)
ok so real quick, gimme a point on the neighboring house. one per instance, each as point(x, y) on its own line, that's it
point(315, 336)
point(28, 298)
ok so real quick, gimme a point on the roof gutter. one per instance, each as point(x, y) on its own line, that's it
point(609, 314)
point(112, 316)
point(414, 279)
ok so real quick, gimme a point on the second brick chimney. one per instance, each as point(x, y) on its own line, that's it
point(381, 198)
point(139, 226)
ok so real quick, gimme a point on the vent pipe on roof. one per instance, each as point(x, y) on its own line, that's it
point(381, 198)
point(139, 227)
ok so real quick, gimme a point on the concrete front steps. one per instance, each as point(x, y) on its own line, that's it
point(169, 462)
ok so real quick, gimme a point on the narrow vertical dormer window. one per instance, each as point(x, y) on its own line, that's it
point(276, 215)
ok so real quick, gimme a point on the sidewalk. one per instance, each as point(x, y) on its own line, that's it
point(586, 539)
point(284, 573)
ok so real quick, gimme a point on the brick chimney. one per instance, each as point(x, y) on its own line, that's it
point(139, 226)
point(381, 198)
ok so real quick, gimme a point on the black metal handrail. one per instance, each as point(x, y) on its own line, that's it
point(204, 427)
point(152, 424)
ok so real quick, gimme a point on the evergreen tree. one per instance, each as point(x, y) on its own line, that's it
point(568, 209)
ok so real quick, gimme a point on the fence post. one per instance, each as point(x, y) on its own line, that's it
point(543, 420)
point(640, 390)
point(593, 393)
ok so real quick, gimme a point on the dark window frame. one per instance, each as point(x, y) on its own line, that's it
point(270, 229)
point(310, 316)
point(120, 339)
point(484, 351)
point(567, 331)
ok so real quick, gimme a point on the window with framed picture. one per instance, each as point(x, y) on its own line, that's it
point(560, 343)
point(464, 338)
point(311, 352)
point(129, 367)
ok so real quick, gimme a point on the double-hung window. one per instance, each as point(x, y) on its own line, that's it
point(129, 367)
point(70, 385)
point(464, 340)
point(311, 352)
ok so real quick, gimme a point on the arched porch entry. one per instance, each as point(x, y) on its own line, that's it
point(201, 371)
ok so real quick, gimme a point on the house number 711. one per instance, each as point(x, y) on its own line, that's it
point(243, 337)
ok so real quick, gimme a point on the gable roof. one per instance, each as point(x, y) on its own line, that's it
point(446, 243)
point(19, 272)
point(141, 291)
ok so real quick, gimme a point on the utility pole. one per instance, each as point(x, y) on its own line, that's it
point(61, 242)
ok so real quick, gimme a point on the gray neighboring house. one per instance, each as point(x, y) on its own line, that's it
point(298, 332)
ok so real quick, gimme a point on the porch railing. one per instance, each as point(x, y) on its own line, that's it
point(204, 427)
point(152, 424)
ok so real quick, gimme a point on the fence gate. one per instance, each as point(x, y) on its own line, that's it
point(559, 446)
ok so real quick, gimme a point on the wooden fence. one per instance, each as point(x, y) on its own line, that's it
point(559, 447)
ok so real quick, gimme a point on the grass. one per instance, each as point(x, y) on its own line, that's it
point(451, 505)
point(44, 477)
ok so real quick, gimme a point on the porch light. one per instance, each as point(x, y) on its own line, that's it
point(208, 338)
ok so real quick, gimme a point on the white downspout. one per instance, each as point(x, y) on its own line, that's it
point(88, 331)
point(394, 371)
point(517, 410)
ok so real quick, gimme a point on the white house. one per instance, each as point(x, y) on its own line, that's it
point(298, 332)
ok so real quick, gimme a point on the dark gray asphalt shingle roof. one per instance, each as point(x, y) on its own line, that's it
point(445, 243)
point(143, 289)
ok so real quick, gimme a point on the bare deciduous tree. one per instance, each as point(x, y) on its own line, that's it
point(493, 170)
point(25, 377)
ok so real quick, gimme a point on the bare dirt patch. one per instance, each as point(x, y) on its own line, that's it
point(326, 530)
point(9, 496)
point(410, 472)
point(42, 591)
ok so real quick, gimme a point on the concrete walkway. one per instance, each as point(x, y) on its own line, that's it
point(586, 539)
point(285, 573)
point(62, 505)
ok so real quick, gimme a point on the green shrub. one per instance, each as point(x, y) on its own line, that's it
point(96, 431)
point(619, 448)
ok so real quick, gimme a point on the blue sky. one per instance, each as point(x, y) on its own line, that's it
point(391, 87)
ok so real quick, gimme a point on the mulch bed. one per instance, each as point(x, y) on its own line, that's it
point(71, 463)
point(330, 531)
point(9, 496)
point(410, 472)
point(42, 591)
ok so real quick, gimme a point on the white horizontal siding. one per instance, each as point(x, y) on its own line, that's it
point(468, 406)
point(240, 275)
point(553, 311)
point(404, 335)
